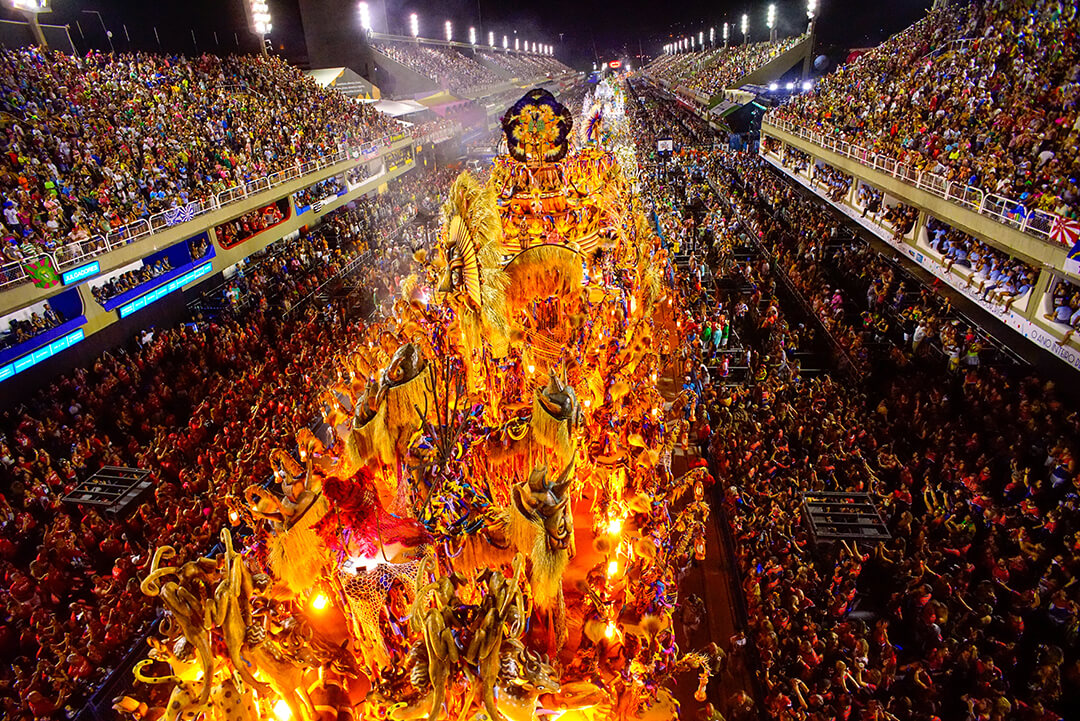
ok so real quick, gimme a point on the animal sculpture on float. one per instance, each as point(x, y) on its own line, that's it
point(480, 643)
point(387, 417)
point(295, 555)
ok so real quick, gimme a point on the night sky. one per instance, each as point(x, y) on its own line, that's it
point(589, 29)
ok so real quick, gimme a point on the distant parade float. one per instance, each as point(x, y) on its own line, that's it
point(494, 532)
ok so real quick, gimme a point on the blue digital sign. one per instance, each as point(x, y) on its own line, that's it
point(32, 359)
point(159, 293)
point(81, 273)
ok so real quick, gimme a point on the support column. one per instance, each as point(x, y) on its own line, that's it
point(809, 59)
point(912, 238)
point(1035, 302)
point(35, 27)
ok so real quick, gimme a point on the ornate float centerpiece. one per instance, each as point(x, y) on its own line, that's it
point(492, 533)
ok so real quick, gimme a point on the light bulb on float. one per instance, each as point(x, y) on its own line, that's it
point(319, 602)
point(282, 712)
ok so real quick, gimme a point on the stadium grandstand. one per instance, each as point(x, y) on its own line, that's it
point(713, 71)
point(983, 95)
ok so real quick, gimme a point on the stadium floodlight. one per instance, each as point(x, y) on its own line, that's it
point(506, 45)
point(472, 36)
point(517, 44)
point(491, 38)
point(725, 34)
point(30, 9)
point(414, 25)
point(790, 86)
point(712, 36)
point(449, 31)
point(260, 18)
point(770, 22)
point(811, 9)
point(773, 87)
point(807, 85)
point(745, 27)
point(365, 17)
point(701, 39)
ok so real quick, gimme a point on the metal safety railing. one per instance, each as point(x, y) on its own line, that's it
point(1030, 221)
point(76, 253)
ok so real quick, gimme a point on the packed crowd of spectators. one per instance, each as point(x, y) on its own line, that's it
point(199, 246)
point(1065, 308)
point(323, 189)
point(449, 68)
point(983, 93)
point(524, 67)
point(970, 609)
point(20, 330)
point(357, 174)
point(129, 279)
point(835, 182)
point(200, 406)
point(98, 141)
point(996, 276)
point(249, 224)
point(710, 72)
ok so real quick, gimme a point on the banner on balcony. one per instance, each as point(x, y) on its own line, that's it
point(41, 271)
point(1067, 232)
point(180, 214)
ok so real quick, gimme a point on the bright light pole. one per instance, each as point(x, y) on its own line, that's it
point(414, 25)
point(745, 29)
point(811, 14)
point(472, 36)
point(770, 22)
point(259, 16)
point(712, 37)
point(449, 31)
point(365, 17)
point(725, 34)
point(506, 45)
point(30, 9)
point(491, 38)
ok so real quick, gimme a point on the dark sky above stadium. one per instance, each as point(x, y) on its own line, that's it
point(589, 29)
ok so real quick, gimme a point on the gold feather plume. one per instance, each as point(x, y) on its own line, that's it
point(473, 230)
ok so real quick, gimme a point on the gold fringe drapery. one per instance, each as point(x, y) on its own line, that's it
point(296, 555)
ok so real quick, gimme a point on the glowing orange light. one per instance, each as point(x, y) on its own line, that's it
point(532, 368)
point(612, 568)
point(609, 632)
point(320, 601)
point(587, 403)
point(282, 712)
point(614, 526)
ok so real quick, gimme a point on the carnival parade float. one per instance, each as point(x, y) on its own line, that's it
point(495, 532)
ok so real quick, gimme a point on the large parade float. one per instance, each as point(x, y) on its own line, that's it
point(494, 532)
